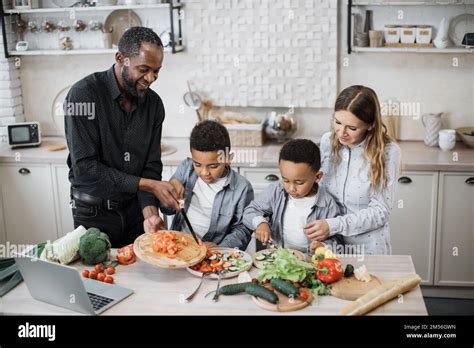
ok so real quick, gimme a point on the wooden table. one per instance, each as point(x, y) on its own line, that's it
point(161, 292)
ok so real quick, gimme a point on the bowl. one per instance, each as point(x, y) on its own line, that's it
point(467, 135)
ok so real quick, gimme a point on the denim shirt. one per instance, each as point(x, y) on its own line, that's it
point(271, 204)
point(226, 228)
point(365, 215)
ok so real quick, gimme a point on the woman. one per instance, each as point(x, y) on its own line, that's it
point(361, 163)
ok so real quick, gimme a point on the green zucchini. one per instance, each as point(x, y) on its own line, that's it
point(260, 257)
point(349, 270)
point(284, 287)
point(233, 289)
point(262, 292)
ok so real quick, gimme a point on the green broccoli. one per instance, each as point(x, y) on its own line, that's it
point(94, 247)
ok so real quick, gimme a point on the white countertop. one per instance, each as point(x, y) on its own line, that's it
point(415, 155)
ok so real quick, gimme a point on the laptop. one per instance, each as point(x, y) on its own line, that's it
point(63, 286)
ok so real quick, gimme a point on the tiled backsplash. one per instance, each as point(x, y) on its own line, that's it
point(273, 53)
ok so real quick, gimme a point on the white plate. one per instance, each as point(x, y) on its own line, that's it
point(121, 21)
point(245, 256)
point(459, 26)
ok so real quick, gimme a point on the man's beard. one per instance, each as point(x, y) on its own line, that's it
point(130, 84)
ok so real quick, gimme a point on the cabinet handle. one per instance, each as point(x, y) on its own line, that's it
point(404, 180)
point(24, 171)
point(271, 177)
point(470, 181)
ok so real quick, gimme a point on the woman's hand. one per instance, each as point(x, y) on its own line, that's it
point(263, 233)
point(317, 230)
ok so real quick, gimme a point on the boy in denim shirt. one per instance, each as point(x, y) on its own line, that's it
point(215, 195)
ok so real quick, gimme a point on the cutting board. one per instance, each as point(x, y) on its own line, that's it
point(190, 255)
point(285, 304)
point(351, 289)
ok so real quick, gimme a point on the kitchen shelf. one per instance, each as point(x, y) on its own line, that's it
point(73, 52)
point(355, 49)
point(170, 5)
point(412, 3)
point(85, 9)
point(412, 50)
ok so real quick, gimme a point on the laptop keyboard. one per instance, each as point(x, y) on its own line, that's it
point(98, 301)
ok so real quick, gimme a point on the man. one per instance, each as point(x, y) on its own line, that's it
point(113, 123)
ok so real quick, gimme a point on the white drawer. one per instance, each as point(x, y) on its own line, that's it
point(261, 177)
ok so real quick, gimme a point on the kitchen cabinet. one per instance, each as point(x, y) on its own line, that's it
point(62, 199)
point(28, 209)
point(455, 230)
point(413, 221)
point(260, 178)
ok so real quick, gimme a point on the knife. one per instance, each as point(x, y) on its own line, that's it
point(183, 212)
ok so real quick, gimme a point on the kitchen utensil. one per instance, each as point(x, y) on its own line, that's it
point(190, 297)
point(392, 34)
point(375, 38)
point(188, 223)
point(285, 304)
point(119, 21)
point(189, 255)
point(467, 135)
point(368, 21)
point(459, 26)
point(447, 139)
point(441, 40)
point(207, 105)
point(408, 34)
point(432, 124)
point(280, 126)
point(351, 288)
point(193, 100)
point(423, 34)
point(245, 256)
point(216, 295)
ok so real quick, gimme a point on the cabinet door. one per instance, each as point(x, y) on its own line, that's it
point(62, 199)
point(28, 204)
point(260, 178)
point(455, 237)
point(413, 221)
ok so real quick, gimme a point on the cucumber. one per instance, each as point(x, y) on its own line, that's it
point(262, 292)
point(234, 289)
point(213, 257)
point(233, 269)
point(260, 257)
point(285, 287)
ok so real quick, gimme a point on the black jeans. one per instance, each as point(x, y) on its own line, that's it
point(122, 226)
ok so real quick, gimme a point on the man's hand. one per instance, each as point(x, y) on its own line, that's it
point(263, 233)
point(210, 245)
point(178, 186)
point(317, 230)
point(163, 190)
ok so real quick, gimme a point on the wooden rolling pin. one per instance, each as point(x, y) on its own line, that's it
point(381, 294)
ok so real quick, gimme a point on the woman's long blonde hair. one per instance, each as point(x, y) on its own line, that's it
point(363, 103)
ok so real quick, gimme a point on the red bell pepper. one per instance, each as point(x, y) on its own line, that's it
point(329, 270)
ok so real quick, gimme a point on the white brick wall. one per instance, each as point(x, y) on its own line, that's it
point(273, 53)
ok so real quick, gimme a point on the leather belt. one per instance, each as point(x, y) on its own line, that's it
point(99, 202)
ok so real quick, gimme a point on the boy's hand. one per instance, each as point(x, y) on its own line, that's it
point(263, 233)
point(178, 186)
point(317, 230)
point(153, 224)
point(210, 245)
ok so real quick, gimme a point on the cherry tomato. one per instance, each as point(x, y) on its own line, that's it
point(254, 280)
point(85, 273)
point(110, 270)
point(101, 276)
point(99, 267)
point(109, 279)
point(93, 274)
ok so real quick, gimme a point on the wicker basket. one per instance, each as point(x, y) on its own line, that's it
point(245, 134)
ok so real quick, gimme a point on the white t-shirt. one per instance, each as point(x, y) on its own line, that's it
point(294, 219)
point(200, 209)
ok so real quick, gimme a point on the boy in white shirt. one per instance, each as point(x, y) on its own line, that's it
point(215, 196)
point(281, 212)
